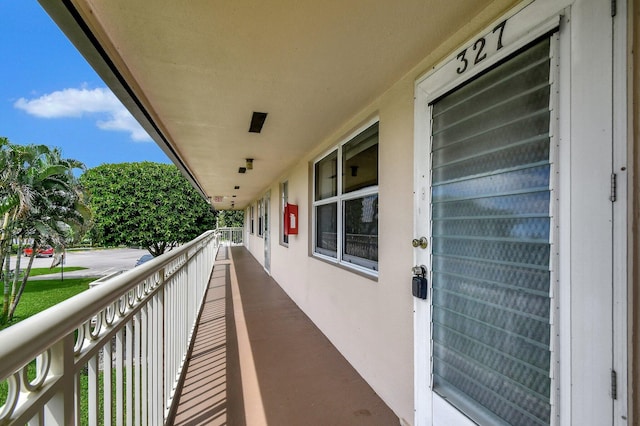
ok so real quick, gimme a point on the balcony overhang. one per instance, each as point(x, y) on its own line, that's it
point(193, 73)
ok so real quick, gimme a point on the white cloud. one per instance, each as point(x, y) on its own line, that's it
point(100, 103)
point(123, 120)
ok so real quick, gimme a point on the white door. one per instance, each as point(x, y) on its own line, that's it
point(502, 194)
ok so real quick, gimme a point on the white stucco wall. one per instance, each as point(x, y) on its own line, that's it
point(370, 322)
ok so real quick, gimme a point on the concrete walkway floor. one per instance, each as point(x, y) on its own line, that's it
point(258, 360)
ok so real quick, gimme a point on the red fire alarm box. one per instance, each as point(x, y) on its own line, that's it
point(291, 219)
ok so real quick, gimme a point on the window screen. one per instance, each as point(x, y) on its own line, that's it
point(326, 177)
point(361, 231)
point(360, 161)
point(491, 243)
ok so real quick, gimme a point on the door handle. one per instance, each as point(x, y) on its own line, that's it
point(422, 242)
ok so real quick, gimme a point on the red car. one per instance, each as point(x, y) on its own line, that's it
point(46, 251)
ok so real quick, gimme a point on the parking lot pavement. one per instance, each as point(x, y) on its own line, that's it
point(99, 263)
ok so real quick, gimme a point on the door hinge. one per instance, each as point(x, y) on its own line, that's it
point(614, 8)
point(614, 188)
point(614, 384)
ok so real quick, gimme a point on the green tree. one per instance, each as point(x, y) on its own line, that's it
point(145, 204)
point(41, 203)
point(230, 218)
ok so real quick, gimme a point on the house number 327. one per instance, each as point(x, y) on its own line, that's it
point(479, 48)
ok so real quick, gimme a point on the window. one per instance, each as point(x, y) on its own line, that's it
point(265, 212)
point(251, 220)
point(260, 218)
point(346, 202)
point(284, 199)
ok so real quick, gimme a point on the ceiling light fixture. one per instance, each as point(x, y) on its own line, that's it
point(242, 170)
point(249, 163)
point(236, 187)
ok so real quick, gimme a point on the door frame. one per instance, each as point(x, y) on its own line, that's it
point(623, 285)
point(570, 404)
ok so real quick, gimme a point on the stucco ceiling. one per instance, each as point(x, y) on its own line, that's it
point(199, 68)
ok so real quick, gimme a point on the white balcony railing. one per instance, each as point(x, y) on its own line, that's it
point(230, 236)
point(113, 354)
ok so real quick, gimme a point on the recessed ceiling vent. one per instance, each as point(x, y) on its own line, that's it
point(242, 170)
point(257, 121)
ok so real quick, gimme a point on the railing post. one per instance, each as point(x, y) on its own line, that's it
point(153, 356)
point(120, 347)
point(61, 408)
point(107, 368)
point(129, 373)
point(138, 333)
point(162, 349)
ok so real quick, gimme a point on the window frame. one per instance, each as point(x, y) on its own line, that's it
point(284, 199)
point(260, 209)
point(362, 265)
point(251, 219)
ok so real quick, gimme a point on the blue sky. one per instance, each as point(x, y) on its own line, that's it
point(49, 95)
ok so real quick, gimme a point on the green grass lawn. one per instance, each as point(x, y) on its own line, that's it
point(45, 271)
point(42, 294)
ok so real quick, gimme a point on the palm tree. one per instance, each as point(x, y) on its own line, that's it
point(16, 197)
point(41, 201)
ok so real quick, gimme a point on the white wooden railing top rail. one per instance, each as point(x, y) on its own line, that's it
point(113, 354)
